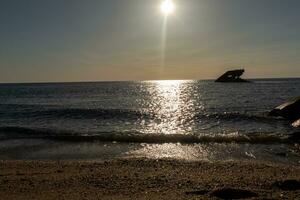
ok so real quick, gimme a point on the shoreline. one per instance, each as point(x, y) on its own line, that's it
point(147, 179)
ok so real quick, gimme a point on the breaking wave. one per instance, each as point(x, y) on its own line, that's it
point(135, 137)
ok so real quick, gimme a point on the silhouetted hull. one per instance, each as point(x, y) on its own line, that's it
point(233, 76)
point(233, 81)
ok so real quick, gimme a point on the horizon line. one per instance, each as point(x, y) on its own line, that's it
point(150, 80)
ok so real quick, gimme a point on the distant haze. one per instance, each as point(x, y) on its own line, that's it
point(98, 40)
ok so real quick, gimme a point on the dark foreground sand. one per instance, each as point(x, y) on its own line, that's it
point(147, 179)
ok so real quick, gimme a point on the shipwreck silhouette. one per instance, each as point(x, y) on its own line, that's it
point(233, 76)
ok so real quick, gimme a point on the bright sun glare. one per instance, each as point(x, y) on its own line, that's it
point(167, 7)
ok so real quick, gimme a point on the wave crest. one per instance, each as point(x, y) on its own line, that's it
point(126, 137)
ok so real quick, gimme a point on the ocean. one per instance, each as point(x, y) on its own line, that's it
point(189, 120)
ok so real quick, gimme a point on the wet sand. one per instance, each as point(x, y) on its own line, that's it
point(147, 179)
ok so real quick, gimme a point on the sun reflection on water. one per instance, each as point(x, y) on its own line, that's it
point(170, 106)
point(173, 107)
point(172, 151)
point(170, 103)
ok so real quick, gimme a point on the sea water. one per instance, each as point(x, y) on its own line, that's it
point(178, 119)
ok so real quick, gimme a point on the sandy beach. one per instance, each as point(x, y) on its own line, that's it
point(147, 179)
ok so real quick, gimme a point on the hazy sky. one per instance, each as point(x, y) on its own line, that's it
point(90, 40)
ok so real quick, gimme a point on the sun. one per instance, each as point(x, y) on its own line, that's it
point(167, 7)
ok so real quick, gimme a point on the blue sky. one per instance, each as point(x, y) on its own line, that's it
point(94, 40)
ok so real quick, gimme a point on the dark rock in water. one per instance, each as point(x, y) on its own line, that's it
point(233, 76)
point(296, 123)
point(230, 193)
point(288, 185)
point(295, 137)
point(289, 110)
